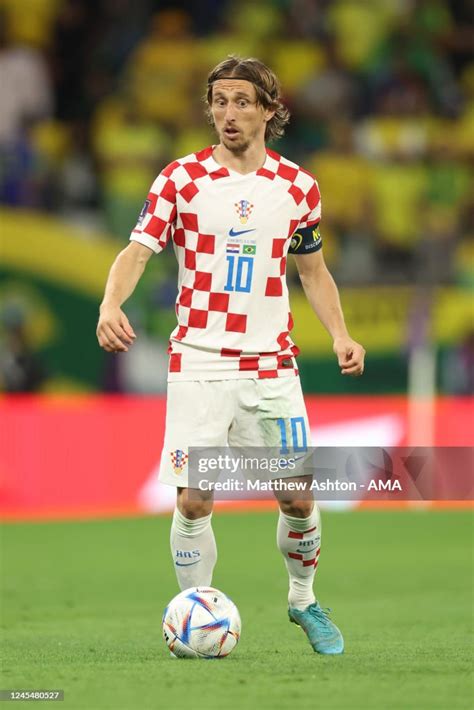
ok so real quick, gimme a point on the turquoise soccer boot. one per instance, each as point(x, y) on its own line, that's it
point(323, 634)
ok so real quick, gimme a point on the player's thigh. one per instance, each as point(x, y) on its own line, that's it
point(272, 413)
point(197, 414)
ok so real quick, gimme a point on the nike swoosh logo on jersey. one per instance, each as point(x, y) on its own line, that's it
point(237, 234)
point(181, 564)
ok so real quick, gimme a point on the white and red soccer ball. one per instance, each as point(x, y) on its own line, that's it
point(201, 622)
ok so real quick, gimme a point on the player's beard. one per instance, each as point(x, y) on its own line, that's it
point(238, 146)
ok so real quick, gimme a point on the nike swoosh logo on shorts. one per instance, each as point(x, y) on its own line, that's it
point(237, 234)
point(181, 564)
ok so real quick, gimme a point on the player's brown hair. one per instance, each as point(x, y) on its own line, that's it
point(266, 85)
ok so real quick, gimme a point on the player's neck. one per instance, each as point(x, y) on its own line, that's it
point(248, 162)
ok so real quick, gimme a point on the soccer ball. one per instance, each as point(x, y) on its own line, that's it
point(201, 622)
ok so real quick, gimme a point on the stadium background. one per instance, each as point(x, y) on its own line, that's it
point(96, 98)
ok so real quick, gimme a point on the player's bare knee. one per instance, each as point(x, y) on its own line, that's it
point(194, 509)
point(193, 505)
point(297, 508)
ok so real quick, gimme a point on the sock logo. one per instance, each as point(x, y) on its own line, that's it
point(186, 558)
point(309, 545)
point(308, 549)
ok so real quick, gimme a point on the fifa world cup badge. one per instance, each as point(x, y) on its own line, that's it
point(179, 460)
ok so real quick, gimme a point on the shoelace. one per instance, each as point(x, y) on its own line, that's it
point(322, 615)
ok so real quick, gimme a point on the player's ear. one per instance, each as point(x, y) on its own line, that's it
point(268, 114)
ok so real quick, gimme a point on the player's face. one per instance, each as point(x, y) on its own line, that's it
point(239, 120)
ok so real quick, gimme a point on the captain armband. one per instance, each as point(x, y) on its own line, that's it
point(306, 240)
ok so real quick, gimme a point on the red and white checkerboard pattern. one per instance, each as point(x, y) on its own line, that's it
point(220, 332)
point(310, 557)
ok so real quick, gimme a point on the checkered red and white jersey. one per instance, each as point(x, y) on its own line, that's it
point(231, 235)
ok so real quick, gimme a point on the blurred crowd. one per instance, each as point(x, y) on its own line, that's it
point(98, 95)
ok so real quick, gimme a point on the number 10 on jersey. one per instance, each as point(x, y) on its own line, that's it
point(239, 273)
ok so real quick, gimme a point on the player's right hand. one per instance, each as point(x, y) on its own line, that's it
point(114, 331)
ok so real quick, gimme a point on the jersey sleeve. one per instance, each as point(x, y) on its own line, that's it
point(306, 238)
point(311, 206)
point(156, 221)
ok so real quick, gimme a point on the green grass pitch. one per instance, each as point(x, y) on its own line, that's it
point(82, 604)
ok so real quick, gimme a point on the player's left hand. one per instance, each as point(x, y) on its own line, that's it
point(350, 356)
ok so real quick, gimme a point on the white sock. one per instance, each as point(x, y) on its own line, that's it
point(299, 541)
point(194, 551)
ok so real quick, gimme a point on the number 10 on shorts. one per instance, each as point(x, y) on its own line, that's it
point(239, 273)
point(298, 435)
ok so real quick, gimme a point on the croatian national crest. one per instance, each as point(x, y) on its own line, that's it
point(179, 460)
point(244, 210)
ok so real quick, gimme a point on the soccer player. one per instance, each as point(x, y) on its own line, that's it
point(233, 212)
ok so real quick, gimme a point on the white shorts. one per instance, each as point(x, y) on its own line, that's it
point(269, 412)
